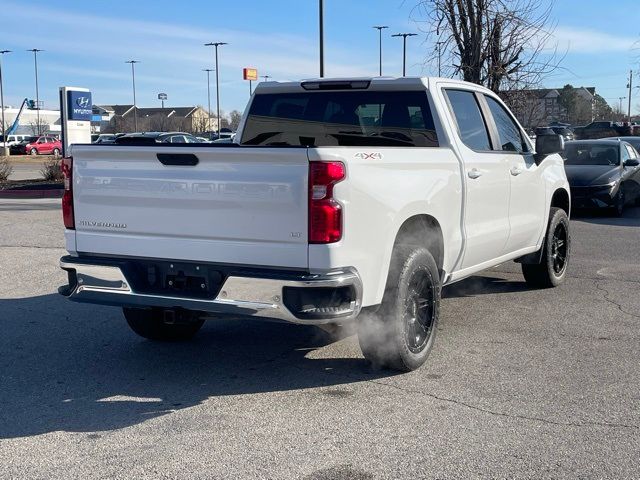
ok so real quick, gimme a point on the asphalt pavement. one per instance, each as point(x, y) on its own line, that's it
point(521, 383)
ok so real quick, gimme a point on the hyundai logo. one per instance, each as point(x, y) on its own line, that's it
point(82, 102)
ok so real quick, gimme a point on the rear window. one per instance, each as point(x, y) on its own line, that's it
point(362, 118)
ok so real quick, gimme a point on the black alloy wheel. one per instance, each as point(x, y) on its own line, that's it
point(419, 315)
point(559, 248)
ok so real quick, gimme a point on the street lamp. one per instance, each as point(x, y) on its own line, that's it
point(35, 62)
point(208, 70)
point(439, 47)
point(404, 49)
point(620, 99)
point(133, 78)
point(321, 31)
point(4, 128)
point(266, 77)
point(380, 28)
point(216, 45)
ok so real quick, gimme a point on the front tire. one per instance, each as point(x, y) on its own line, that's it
point(56, 152)
point(401, 333)
point(556, 249)
point(151, 323)
point(33, 152)
point(618, 209)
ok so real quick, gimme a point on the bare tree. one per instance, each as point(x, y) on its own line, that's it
point(38, 127)
point(234, 119)
point(501, 44)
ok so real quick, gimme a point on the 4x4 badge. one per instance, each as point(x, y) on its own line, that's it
point(369, 155)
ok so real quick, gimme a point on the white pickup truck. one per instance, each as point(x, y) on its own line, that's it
point(339, 200)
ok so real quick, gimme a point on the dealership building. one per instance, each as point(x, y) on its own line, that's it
point(49, 120)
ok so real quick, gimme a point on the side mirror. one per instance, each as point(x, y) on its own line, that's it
point(548, 145)
point(631, 162)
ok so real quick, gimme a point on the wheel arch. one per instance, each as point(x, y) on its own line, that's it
point(561, 199)
point(422, 231)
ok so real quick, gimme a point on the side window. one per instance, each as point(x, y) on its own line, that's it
point(625, 153)
point(631, 151)
point(177, 139)
point(510, 136)
point(473, 130)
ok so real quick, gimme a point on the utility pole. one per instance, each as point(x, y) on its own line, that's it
point(380, 28)
point(404, 49)
point(4, 125)
point(35, 63)
point(321, 5)
point(630, 92)
point(216, 45)
point(208, 70)
point(439, 47)
point(133, 78)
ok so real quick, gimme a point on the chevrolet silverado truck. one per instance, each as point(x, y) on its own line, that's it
point(339, 201)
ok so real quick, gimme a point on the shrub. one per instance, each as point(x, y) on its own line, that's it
point(5, 169)
point(52, 171)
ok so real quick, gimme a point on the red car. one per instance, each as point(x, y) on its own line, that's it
point(43, 145)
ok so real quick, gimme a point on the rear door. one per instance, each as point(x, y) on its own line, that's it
point(235, 205)
point(487, 181)
point(527, 200)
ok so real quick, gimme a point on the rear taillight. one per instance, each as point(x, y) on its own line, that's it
point(67, 197)
point(325, 213)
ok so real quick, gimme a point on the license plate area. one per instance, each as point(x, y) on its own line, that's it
point(175, 279)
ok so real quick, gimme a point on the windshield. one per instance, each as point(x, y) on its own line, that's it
point(585, 154)
point(351, 118)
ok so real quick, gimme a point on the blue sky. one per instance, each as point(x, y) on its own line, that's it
point(87, 43)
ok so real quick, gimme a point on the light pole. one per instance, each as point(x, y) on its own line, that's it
point(133, 78)
point(216, 45)
point(404, 49)
point(208, 70)
point(321, 29)
point(620, 108)
point(439, 47)
point(630, 92)
point(4, 125)
point(35, 63)
point(380, 28)
point(266, 77)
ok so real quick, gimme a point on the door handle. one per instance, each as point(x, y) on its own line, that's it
point(515, 171)
point(474, 173)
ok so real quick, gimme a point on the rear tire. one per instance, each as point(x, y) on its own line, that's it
point(150, 323)
point(556, 250)
point(401, 333)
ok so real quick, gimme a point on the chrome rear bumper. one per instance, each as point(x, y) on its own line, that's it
point(239, 295)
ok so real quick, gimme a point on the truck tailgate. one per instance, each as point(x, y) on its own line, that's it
point(237, 205)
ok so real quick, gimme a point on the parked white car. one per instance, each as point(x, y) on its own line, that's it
point(15, 139)
point(339, 201)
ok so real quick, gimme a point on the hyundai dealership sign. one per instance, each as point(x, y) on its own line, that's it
point(79, 105)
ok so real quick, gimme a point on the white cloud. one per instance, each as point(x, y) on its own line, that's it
point(581, 40)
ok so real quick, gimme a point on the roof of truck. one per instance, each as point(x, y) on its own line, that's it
point(391, 83)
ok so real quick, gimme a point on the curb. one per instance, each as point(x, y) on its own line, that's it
point(35, 193)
